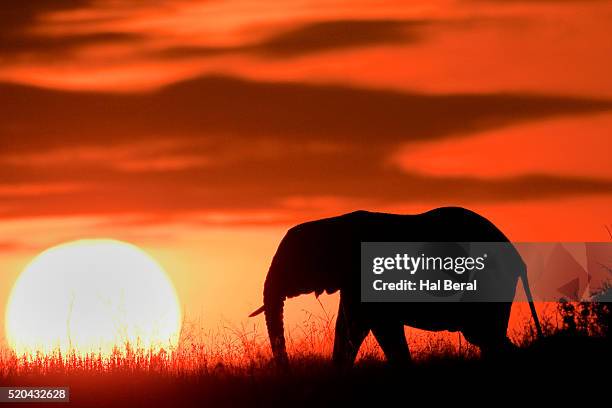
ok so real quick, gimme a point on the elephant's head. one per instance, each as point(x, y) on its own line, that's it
point(307, 261)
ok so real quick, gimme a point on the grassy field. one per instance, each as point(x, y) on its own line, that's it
point(231, 367)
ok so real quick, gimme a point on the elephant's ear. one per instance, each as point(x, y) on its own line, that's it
point(305, 262)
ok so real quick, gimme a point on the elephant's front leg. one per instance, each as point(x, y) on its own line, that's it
point(351, 330)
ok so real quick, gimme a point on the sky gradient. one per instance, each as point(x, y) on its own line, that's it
point(202, 130)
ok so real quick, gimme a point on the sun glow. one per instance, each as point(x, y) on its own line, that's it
point(89, 296)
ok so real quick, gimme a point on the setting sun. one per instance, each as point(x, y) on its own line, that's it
point(89, 296)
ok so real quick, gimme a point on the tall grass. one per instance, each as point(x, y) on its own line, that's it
point(228, 347)
point(243, 348)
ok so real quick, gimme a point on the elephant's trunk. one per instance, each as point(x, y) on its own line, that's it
point(273, 309)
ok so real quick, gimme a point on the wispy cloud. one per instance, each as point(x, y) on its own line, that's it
point(213, 107)
point(23, 190)
point(152, 156)
point(315, 37)
point(238, 145)
point(37, 47)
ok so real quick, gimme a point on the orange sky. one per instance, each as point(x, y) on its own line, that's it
point(201, 131)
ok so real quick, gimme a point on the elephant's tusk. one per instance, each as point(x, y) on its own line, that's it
point(258, 311)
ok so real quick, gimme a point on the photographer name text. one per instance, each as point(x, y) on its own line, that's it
point(425, 285)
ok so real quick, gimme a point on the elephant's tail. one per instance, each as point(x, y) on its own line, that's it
point(534, 314)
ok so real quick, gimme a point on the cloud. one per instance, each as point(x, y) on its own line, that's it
point(52, 46)
point(22, 190)
point(314, 37)
point(21, 36)
point(265, 189)
point(16, 18)
point(570, 146)
point(16, 22)
point(256, 144)
point(214, 107)
point(339, 34)
point(123, 157)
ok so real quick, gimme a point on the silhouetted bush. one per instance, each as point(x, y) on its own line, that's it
point(588, 318)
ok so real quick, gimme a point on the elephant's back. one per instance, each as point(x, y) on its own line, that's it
point(457, 224)
point(347, 231)
point(452, 224)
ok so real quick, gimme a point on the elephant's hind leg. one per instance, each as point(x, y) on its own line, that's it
point(351, 330)
point(392, 340)
point(488, 329)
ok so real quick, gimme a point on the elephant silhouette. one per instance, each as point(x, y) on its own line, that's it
point(324, 256)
